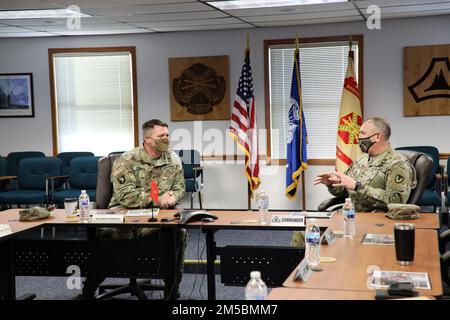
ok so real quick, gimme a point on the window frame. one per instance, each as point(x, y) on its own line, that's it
point(52, 51)
point(267, 44)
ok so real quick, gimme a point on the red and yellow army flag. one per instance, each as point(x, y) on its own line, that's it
point(350, 119)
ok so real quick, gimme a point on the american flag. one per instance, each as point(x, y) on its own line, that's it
point(243, 123)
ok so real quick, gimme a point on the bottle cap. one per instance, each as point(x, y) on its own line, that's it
point(255, 274)
point(348, 199)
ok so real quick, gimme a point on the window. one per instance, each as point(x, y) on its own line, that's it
point(323, 64)
point(94, 101)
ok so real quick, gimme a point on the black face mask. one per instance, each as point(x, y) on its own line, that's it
point(366, 143)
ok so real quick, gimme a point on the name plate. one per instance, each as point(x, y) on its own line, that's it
point(106, 218)
point(303, 271)
point(288, 220)
point(329, 237)
point(5, 229)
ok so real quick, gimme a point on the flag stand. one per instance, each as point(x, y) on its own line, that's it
point(249, 195)
point(303, 191)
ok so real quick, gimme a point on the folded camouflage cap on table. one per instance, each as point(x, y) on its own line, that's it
point(33, 214)
point(399, 211)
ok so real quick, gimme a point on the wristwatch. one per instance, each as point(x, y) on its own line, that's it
point(357, 185)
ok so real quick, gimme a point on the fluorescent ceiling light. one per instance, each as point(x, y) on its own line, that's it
point(251, 4)
point(41, 14)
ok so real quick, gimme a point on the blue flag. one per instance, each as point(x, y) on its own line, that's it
point(297, 159)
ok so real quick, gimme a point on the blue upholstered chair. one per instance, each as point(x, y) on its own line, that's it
point(32, 181)
point(3, 165)
point(193, 173)
point(447, 184)
point(82, 175)
point(66, 157)
point(13, 159)
point(432, 193)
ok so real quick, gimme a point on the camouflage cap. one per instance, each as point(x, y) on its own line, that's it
point(398, 211)
point(33, 214)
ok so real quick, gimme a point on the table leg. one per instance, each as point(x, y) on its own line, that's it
point(210, 259)
point(7, 278)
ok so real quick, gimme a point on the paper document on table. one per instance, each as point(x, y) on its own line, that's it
point(5, 229)
point(143, 213)
point(378, 239)
point(314, 214)
point(382, 279)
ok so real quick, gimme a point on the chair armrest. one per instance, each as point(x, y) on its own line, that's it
point(445, 266)
point(444, 239)
point(52, 179)
point(199, 171)
point(324, 205)
point(3, 178)
point(57, 177)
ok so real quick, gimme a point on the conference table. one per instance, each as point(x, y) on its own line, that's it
point(355, 262)
point(352, 258)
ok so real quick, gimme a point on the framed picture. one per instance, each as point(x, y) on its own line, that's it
point(16, 95)
point(426, 84)
point(199, 88)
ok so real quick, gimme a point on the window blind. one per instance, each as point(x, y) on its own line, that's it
point(322, 71)
point(94, 100)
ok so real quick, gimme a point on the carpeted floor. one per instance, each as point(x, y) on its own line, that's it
point(193, 286)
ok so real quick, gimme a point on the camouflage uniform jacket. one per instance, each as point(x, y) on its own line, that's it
point(133, 172)
point(385, 178)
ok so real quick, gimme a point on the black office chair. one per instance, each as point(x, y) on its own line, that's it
point(423, 165)
point(104, 193)
point(193, 173)
point(432, 193)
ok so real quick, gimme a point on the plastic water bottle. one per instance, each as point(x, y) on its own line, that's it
point(348, 211)
point(312, 243)
point(263, 205)
point(256, 289)
point(83, 202)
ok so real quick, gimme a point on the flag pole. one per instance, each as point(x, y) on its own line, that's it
point(297, 45)
point(249, 190)
point(350, 42)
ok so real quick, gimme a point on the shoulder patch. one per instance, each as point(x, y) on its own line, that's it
point(121, 179)
point(399, 178)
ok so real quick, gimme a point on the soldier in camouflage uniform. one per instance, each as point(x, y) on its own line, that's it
point(131, 177)
point(377, 178)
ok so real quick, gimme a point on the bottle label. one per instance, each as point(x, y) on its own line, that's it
point(84, 203)
point(312, 237)
point(350, 214)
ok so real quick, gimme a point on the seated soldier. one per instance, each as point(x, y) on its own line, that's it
point(131, 176)
point(378, 177)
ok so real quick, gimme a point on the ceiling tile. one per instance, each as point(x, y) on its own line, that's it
point(50, 22)
point(12, 29)
point(387, 3)
point(171, 16)
point(111, 26)
point(185, 23)
point(25, 5)
point(312, 21)
point(292, 9)
point(26, 34)
point(100, 32)
point(112, 3)
point(148, 9)
point(302, 16)
point(213, 27)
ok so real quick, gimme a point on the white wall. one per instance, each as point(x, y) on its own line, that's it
point(224, 185)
